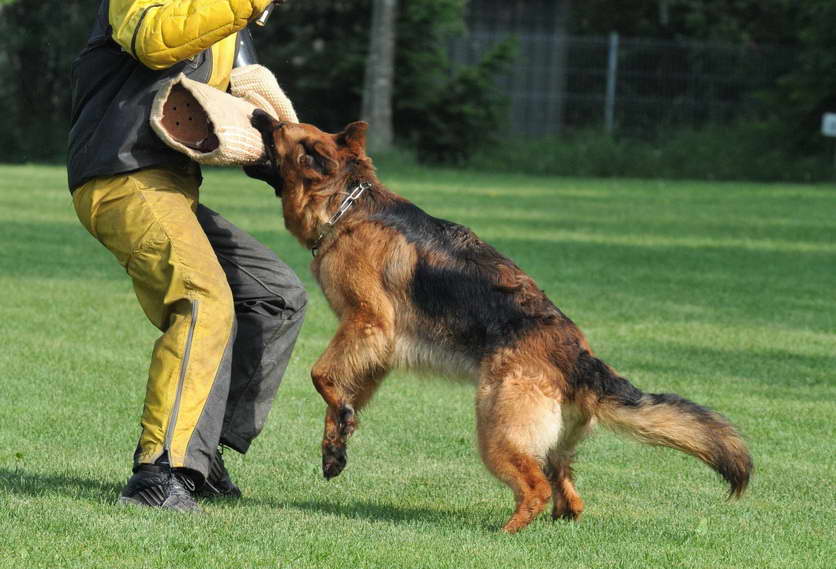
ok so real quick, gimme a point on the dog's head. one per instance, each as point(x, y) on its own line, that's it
point(302, 158)
point(310, 169)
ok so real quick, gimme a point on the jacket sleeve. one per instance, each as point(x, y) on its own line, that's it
point(160, 33)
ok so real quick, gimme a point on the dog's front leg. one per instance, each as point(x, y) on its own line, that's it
point(334, 457)
point(346, 376)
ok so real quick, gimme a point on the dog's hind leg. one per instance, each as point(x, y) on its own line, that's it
point(568, 504)
point(517, 425)
point(346, 376)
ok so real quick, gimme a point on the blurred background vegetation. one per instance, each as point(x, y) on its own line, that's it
point(716, 89)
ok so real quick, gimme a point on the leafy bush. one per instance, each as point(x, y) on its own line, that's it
point(466, 112)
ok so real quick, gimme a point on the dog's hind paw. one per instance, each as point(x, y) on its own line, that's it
point(567, 514)
point(334, 459)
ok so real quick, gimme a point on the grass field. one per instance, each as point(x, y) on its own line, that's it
point(723, 293)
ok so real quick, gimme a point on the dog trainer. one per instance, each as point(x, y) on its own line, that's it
point(228, 308)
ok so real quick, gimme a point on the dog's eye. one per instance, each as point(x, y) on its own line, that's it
point(315, 160)
point(311, 161)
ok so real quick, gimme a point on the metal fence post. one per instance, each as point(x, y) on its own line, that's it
point(612, 74)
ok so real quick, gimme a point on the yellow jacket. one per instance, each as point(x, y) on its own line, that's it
point(160, 33)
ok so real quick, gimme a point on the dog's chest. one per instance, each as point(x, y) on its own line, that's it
point(420, 355)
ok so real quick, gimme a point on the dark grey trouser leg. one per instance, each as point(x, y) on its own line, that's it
point(269, 306)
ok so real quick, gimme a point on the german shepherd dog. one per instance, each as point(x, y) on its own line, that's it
point(411, 290)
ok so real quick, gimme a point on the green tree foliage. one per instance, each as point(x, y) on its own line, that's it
point(38, 41)
point(422, 66)
point(316, 49)
point(810, 88)
point(466, 113)
point(737, 21)
point(792, 108)
point(318, 52)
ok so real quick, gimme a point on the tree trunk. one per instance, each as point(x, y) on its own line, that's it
point(380, 75)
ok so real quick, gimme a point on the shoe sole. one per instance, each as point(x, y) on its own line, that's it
point(174, 506)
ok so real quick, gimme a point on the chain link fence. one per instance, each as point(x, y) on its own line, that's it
point(630, 85)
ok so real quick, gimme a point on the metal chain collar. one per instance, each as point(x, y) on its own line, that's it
point(344, 207)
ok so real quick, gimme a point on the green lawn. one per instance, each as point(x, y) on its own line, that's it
point(723, 293)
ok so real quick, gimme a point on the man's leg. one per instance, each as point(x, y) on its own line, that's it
point(147, 221)
point(269, 308)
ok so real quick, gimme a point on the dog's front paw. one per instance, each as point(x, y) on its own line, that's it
point(346, 421)
point(334, 459)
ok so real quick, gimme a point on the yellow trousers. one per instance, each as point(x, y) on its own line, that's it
point(147, 220)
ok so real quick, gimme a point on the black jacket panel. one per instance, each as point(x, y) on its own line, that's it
point(113, 94)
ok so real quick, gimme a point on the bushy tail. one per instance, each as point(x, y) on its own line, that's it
point(665, 419)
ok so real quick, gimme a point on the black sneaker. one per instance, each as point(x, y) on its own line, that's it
point(157, 486)
point(218, 484)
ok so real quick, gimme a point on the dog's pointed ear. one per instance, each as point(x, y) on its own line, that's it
point(354, 137)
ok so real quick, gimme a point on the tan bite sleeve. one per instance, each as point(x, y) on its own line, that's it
point(213, 127)
point(259, 86)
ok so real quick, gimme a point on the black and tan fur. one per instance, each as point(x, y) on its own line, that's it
point(411, 290)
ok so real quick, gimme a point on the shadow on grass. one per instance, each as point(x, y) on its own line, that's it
point(393, 513)
point(18, 481)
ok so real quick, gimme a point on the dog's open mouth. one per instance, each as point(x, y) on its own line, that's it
point(267, 170)
point(267, 173)
point(278, 183)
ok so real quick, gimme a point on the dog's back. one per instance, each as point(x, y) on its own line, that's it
point(465, 300)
